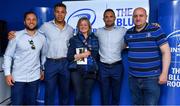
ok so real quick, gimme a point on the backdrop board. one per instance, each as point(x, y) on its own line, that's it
point(170, 22)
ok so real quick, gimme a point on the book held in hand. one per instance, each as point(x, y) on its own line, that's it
point(82, 61)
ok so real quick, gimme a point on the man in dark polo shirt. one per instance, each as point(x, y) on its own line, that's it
point(147, 69)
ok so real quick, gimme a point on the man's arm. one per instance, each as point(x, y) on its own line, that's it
point(166, 58)
point(11, 35)
point(8, 56)
point(43, 57)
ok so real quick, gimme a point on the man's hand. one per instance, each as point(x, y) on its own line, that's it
point(81, 55)
point(156, 24)
point(42, 75)
point(86, 54)
point(11, 35)
point(9, 80)
point(162, 78)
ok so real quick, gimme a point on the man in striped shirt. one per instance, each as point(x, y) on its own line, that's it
point(147, 68)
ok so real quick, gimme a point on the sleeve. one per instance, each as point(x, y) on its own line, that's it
point(42, 28)
point(95, 50)
point(71, 50)
point(125, 39)
point(96, 32)
point(43, 54)
point(124, 34)
point(8, 56)
point(161, 37)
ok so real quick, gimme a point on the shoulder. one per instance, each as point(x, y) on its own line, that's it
point(73, 39)
point(40, 35)
point(18, 34)
point(121, 28)
point(46, 24)
point(130, 30)
point(93, 35)
point(99, 31)
point(70, 28)
point(153, 27)
point(155, 30)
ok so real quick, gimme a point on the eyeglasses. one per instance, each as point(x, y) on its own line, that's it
point(32, 44)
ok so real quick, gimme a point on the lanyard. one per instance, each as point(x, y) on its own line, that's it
point(88, 44)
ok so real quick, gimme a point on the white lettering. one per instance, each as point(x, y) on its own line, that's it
point(173, 84)
point(175, 70)
point(174, 77)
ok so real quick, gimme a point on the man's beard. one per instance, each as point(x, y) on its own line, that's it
point(31, 29)
point(111, 25)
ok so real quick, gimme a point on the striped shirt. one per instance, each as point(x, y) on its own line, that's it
point(144, 55)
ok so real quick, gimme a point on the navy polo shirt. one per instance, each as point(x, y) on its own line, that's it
point(144, 55)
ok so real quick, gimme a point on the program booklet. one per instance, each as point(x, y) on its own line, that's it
point(83, 61)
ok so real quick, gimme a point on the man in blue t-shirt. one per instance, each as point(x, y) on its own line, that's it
point(147, 69)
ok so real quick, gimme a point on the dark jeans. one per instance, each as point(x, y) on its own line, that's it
point(144, 90)
point(82, 87)
point(110, 78)
point(24, 93)
point(56, 74)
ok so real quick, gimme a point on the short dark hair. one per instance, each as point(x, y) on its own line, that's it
point(59, 5)
point(29, 12)
point(109, 10)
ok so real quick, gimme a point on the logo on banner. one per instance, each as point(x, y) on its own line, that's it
point(174, 42)
point(174, 74)
point(85, 12)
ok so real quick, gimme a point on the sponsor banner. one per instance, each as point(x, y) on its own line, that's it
point(168, 13)
point(174, 72)
point(94, 9)
point(124, 10)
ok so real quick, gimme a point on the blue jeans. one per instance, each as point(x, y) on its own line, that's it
point(144, 90)
point(24, 93)
point(56, 74)
point(82, 88)
point(110, 78)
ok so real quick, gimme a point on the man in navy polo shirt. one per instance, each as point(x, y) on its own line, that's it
point(147, 70)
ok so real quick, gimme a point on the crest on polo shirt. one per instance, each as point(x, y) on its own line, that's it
point(148, 35)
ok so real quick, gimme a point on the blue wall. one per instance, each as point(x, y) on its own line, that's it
point(12, 10)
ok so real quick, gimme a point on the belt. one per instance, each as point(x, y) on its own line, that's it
point(57, 59)
point(112, 64)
